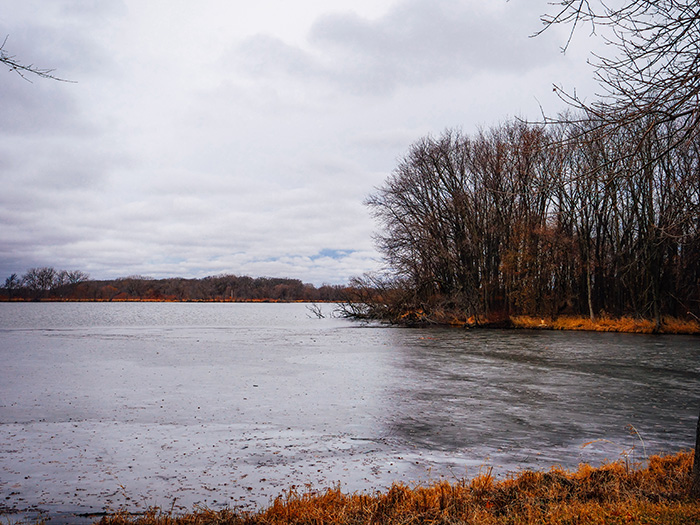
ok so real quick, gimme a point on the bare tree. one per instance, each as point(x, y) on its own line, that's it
point(652, 75)
point(40, 280)
point(76, 276)
point(64, 280)
point(12, 283)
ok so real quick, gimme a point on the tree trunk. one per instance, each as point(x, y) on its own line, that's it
point(589, 289)
point(695, 488)
point(656, 291)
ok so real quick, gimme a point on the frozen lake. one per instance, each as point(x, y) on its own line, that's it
point(130, 405)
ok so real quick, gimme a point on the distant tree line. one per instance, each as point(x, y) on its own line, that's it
point(42, 282)
point(529, 219)
point(49, 284)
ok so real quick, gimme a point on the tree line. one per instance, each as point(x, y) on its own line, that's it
point(41, 282)
point(46, 283)
point(541, 220)
point(597, 212)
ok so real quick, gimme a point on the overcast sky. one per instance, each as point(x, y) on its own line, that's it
point(215, 136)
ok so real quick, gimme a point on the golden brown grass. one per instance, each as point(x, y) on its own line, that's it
point(447, 317)
point(612, 494)
point(669, 325)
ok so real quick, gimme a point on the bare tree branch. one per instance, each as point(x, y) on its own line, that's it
point(649, 80)
point(653, 72)
point(26, 70)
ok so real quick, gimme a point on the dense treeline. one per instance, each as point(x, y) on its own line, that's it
point(533, 220)
point(596, 214)
point(49, 284)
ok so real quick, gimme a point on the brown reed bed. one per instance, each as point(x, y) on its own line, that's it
point(669, 325)
point(603, 323)
point(611, 494)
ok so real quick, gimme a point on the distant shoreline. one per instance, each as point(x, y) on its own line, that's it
point(625, 324)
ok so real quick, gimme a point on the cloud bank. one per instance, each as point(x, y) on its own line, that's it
point(235, 138)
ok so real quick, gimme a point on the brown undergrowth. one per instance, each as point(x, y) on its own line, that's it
point(611, 494)
point(669, 325)
point(445, 316)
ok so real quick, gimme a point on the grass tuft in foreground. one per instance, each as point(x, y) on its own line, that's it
point(612, 494)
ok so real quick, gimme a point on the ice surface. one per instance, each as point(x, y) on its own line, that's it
point(109, 406)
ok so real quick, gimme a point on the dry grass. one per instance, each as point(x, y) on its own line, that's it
point(448, 317)
point(612, 494)
point(669, 325)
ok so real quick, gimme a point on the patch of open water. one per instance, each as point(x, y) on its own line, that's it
point(130, 405)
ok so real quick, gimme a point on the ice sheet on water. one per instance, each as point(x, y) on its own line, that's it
point(134, 405)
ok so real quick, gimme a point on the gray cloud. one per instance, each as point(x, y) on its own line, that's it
point(38, 109)
point(417, 42)
point(264, 54)
point(186, 148)
point(93, 8)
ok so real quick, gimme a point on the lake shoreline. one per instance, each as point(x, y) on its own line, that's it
point(669, 325)
point(618, 492)
point(624, 324)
